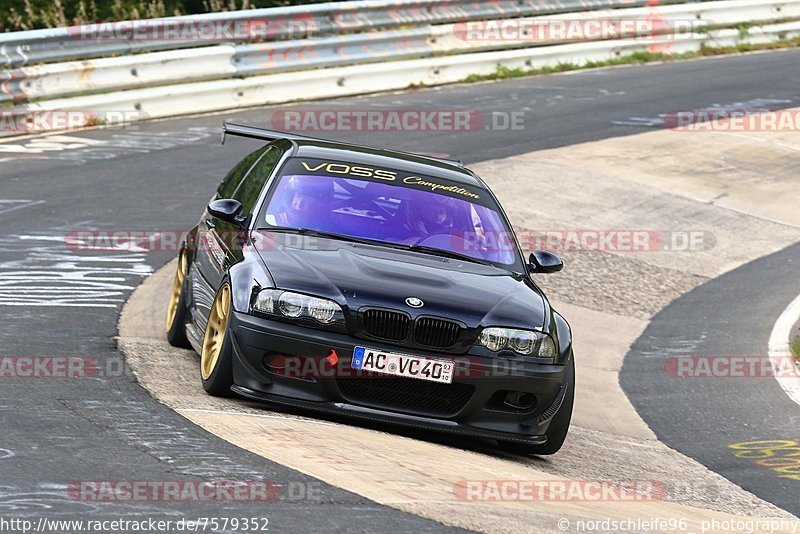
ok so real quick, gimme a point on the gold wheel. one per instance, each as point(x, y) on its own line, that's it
point(215, 332)
point(175, 295)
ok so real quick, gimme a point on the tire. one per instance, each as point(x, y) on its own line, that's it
point(176, 308)
point(216, 358)
point(558, 429)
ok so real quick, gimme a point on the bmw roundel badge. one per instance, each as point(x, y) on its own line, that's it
point(414, 302)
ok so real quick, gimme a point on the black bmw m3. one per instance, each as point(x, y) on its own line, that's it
point(374, 284)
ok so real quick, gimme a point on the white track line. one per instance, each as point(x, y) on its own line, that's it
point(779, 349)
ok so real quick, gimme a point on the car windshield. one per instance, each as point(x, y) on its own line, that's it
point(389, 206)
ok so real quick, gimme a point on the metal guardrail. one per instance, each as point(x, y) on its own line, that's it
point(269, 24)
point(214, 78)
point(207, 63)
point(175, 100)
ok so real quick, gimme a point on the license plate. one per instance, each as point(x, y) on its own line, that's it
point(392, 363)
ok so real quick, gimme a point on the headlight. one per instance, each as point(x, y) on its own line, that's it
point(292, 305)
point(525, 342)
point(298, 306)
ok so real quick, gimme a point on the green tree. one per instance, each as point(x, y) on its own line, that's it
point(19, 15)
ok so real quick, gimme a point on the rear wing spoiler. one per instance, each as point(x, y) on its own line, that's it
point(263, 134)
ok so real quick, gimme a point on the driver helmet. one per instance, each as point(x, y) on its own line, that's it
point(307, 197)
point(431, 215)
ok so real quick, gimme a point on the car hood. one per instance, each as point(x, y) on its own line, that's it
point(358, 276)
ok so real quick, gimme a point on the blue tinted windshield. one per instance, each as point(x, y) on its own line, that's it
point(409, 213)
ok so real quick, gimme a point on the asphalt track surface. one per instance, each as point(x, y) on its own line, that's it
point(158, 177)
point(732, 315)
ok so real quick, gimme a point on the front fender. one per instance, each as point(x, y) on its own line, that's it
point(246, 275)
point(563, 333)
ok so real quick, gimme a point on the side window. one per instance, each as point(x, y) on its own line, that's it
point(234, 177)
point(251, 187)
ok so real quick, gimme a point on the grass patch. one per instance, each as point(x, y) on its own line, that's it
point(744, 47)
point(502, 73)
point(637, 58)
point(744, 30)
point(795, 346)
point(505, 73)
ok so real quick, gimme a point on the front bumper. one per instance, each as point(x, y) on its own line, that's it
point(288, 365)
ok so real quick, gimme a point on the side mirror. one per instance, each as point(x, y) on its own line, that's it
point(228, 210)
point(543, 262)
